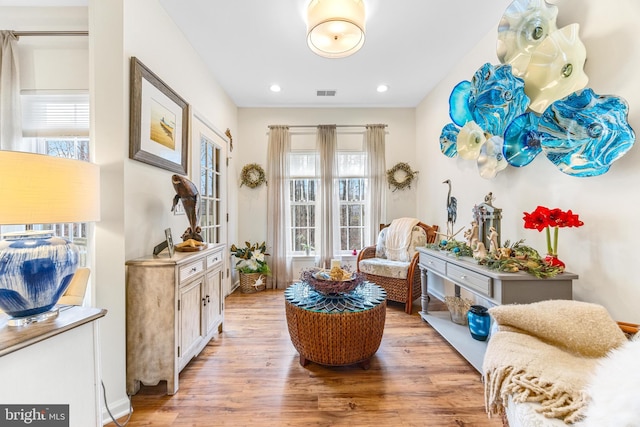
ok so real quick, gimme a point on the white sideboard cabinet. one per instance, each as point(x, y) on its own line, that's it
point(175, 306)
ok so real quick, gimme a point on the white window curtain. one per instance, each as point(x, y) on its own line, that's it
point(326, 145)
point(278, 214)
point(10, 111)
point(374, 145)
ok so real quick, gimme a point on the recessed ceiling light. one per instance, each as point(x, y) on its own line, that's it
point(275, 88)
point(382, 88)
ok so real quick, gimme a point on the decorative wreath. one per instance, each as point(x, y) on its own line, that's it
point(404, 182)
point(252, 176)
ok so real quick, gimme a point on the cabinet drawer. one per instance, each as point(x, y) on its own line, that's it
point(191, 270)
point(214, 259)
point(434, 264)
point(470, 280)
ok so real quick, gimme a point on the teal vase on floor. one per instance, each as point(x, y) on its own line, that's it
point(479, 322)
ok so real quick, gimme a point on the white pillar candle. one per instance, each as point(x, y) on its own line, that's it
point(335, 263)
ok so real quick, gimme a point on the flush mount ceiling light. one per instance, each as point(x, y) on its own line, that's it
point(335, 28)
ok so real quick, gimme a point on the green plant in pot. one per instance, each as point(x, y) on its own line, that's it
point(304, 245)
point(251, 258)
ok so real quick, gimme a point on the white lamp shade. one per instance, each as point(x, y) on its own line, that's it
point(335, 28)
point(39, 189)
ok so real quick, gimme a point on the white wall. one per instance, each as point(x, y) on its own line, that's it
point(50, 62)
point(604, 251)
point(150, 34)
point(136, 197)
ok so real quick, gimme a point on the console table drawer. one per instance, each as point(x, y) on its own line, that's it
point(470, 279)
point(191, 270)
point(214, 259)
point(434, 264)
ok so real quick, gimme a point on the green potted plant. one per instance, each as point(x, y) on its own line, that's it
point(304, 245)
point(252, 266)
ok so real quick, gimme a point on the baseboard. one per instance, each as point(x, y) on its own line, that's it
point(118, 409)
point(436, 293)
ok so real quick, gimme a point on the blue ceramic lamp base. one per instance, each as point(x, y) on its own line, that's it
point(35, 270)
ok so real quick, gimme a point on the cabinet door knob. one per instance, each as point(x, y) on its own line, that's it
point(193, 269)
point(463, 277)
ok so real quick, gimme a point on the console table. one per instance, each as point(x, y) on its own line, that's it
point(336, 330)
point(495, 287)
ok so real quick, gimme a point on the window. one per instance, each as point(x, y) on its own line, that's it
point(303, 200)
point(210, 190)
point(351, 196)
point(70, 148)
point(54, 113)
point(57, 124)
point(351, 186)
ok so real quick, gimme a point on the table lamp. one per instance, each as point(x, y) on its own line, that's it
point(36, 267)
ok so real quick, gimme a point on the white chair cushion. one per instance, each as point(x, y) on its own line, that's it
point(385, 267)
point(380, 248)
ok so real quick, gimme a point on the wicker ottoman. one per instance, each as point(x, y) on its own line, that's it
point(336, 330)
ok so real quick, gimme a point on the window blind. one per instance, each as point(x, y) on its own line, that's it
point(59, 114)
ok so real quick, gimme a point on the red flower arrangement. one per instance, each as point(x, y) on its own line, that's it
point(545, 219)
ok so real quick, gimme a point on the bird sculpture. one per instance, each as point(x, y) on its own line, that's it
point(452, 210)
point(187, 193)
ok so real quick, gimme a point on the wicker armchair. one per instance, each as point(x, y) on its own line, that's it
point(401, 279)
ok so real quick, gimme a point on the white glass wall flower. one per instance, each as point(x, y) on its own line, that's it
point(470, 139)
point(491, 161)
point(556, 68)
point(524, 25)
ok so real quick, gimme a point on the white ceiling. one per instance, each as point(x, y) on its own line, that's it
point(251, 44)
point(410, 45)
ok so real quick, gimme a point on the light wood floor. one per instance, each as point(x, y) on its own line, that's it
point(251, 376)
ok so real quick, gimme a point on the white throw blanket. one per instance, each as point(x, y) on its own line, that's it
point(399, 238)
point(544, 352)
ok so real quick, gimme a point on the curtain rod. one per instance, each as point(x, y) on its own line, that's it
point(49, 33)
point(315, 126)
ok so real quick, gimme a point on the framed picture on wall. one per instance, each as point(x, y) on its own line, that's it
point(159, 122)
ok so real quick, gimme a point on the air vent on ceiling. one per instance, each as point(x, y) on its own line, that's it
point(326, 93)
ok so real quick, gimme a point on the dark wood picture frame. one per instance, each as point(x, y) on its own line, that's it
point(153, 138)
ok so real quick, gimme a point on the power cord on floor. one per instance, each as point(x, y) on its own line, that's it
point(104, 395)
